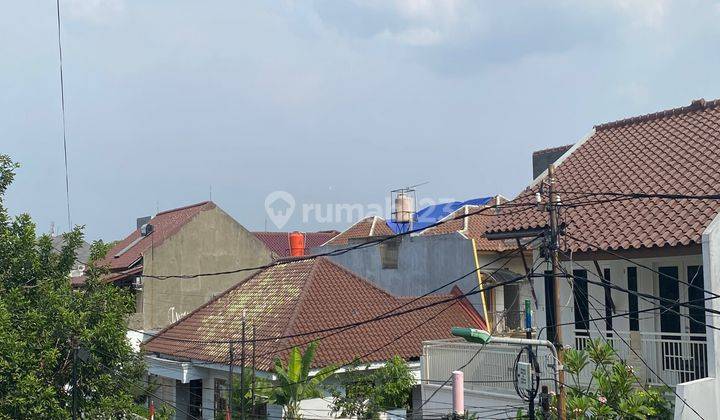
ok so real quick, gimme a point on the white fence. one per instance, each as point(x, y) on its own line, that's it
point(671, 358)
point(488, 370)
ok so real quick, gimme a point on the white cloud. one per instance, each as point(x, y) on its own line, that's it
point(414, 36)
point(648, 13)
point(95, 11)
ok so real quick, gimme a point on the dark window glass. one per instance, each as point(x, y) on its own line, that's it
point(696, 296)
point(633, 299)
point(580, 295)
point(669, 291)
point(609, 305)
point(550, 306)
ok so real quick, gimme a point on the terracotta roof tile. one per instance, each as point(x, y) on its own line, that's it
point(279, 242)
point(364, 228)
point(675, 151)
point(309, 295)
point(165, 224)
point(472, 227)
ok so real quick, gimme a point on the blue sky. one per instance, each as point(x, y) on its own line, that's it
point(331, 101)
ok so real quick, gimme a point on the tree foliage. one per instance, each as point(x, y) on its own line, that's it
point(42, 320)
point(613, 391)
point(243, 404)
point(365, 394)
point(294, 382)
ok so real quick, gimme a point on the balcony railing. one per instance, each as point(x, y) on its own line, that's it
point(669, 358)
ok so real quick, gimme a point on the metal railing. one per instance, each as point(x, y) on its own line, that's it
point(509, 321)
point(673, 357)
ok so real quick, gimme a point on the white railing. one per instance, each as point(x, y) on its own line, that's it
point(670, 358)
point(490, 369)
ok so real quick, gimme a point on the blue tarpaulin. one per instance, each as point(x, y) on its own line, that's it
point(433, 214)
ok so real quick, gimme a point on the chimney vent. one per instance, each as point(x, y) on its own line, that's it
point(142, 221)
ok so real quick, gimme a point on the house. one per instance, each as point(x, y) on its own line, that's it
point(635, 267)
point(189, 241)
point(279, 242)
point(82, 255)
point(422, 262)
point(292, 304)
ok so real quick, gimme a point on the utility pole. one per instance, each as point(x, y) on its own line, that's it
point(554, 247)
point(242, 372)
point(531, 357)
point(230, 382)
point(252, 393)
point(74, 378)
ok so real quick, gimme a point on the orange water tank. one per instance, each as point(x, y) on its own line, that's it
point(297, 244)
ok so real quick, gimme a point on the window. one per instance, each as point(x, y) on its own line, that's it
point(580, 297)
point(633, 299)
point(609, 305)
point(669, 291)
point(696, 296)
point(550, 306)
point(389, 251)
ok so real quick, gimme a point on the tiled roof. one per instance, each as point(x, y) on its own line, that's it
point(472, 227)
point(369, 226)
point(675, 151)
point(309, 295)
point(165, 224)
point(279, 242)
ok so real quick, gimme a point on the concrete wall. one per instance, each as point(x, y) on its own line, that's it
point(427, 262)
point(212, 241)
point(424, 263)
point(697, 394)
point(482, 404)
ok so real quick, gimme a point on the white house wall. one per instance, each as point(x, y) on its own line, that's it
point(646, 282)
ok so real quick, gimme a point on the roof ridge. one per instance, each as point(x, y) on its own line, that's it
point(202, 203)
point(696, 105)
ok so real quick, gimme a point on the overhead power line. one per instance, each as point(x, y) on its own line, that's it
point(62, 106)
point(388, 314)
point(340, 251)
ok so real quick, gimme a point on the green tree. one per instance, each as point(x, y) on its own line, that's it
point(244, 399)
point(294, 382)
point(613, 391)
point(42, 321)
point(366, 394)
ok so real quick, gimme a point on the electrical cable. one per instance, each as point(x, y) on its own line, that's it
point(647, 365)
point(62, 105)
point(616, 255)
point(341, 251)
point(387, 314)
point(472, 358)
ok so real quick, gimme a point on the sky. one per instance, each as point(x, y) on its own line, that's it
point(328, 102)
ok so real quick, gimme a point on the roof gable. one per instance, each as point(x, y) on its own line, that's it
point(165, 224)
